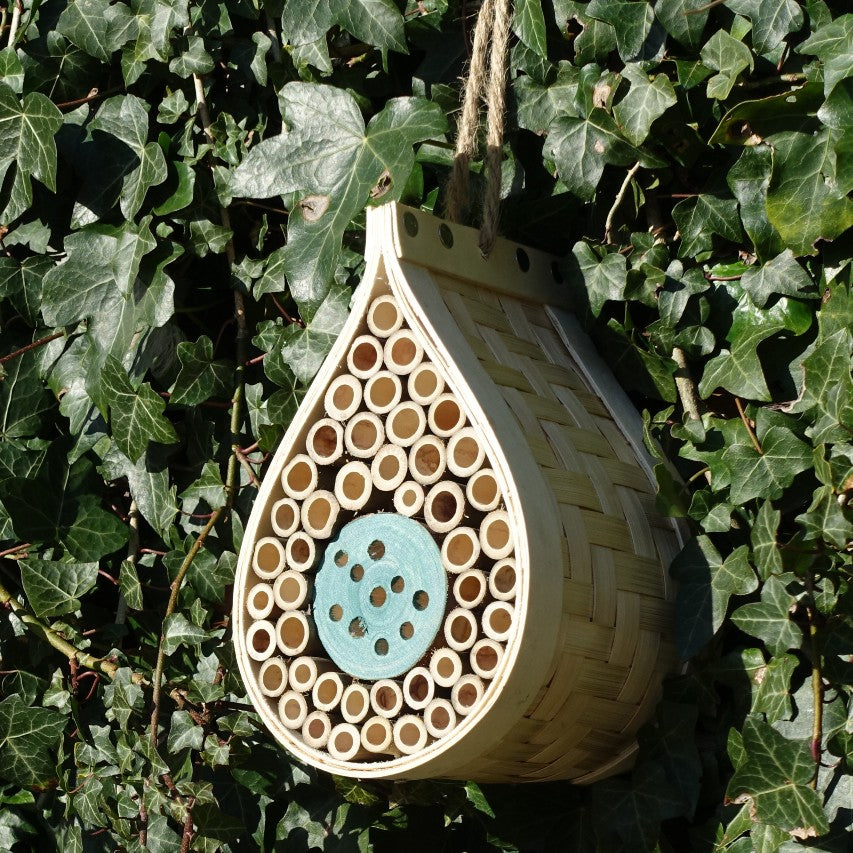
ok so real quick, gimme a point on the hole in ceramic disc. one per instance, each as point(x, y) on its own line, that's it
point(407, 630)
point(336, 613)
point(420, 600)
point(356, 628)
point(376, 550)
point(381, 647)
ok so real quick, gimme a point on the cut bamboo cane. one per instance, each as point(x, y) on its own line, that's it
point(418, 688)
point(295, 633)
point(364, 435)
point(482, 490)
point(260, 601)
point(502, 580)
point(316, 729)
point(299, 477)
point(353, 485)
point(343, 397)
point(498, 620)
point(305, 670)
point(466, 693)
point(439, 718)
point(301, 552)
point(319, 514)
point(469, 589)
point(445, 666)
point(445, 415)
point(261, 640)
point(292, 709)
point(325, 441)
point(382, 392)
point(409, 498)
point(410, 734)
point(345, 743)
point(269, 558)
point(389, 468)
point(460, 549)
point(386, 698)
point(427, 460)
point(425, 383)
point(383, 316)
point(364, 357)
point(460, 629)
point(444, 507)
point(285, 517)
point(405, 424)
point(377, 736)
point(291, 590)
point(272, 678)
point(495, 535)
point(355, 703)
point(403, 352)
point(485, 657)
point(465, 452)
point(327, 691)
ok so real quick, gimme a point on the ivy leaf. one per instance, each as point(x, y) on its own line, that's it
point(632, 23)
point(782, 275)
point(28, 738)
point(11, 70)
point(646, 101)
point(54, 589)
point(184, 733)
point(375, 22)
point(749, 180)
point(200, 377)
point(595, 279)
point(831, 44)
point(729, 57)
point(22, 282)
point(528, 24)
point(128, 583)
point(772, 20)
point(85, 23)
point(764, 541)
point(770, 620)
point(773, 697)
point(179, 631)
point(699, 217)
point(826, 519)
point(597, 38)
point(208, 487)
point(684, 20)
point(539, 105)
point(23, 398)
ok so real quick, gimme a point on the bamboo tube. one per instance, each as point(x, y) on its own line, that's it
point(285, 517)
point(364, 435)
point(301, 552)
point(383, 316)
point(485, 657)
point(382, 392)
point(319, 514)
point(355, 703)
point(403, 352)
point(353, 485)
point(325, 441)
point(327, 691)
point(502, 580)
point(345, 743)
point(386, 698)
point(377, 736)
point(445, 667)
point(389, 468)
point(444, 507)
point(260, 640)
point(466, 693)
point(269, 558)
point(260, 601)
point(316, 729)
point(364, 357)
point(460, 629)
point(343, 397)
point(498, 621)
point(465, 452)
point(445, 415)
point(425, 383)
point(291, 590)
point(439, 717)
point(299, 477)
point(418, 688)
point(409, 498)
point(272, 678)
point(427, 460)
point(495, 535)
point(295, 633)
point(292, 709)
point(469, 588)
point(482, 490)
point(405, 424)
point(305, 670)
point(460, 550)
point(410, 734)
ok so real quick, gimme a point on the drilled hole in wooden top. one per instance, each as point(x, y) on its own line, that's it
point(407, 630)
point(357, 572)
point(420, 600)
point(356, 628)
point(378, 596)
point(381, 647)
point(445, 235)
point(341, 558)
point(397, 584)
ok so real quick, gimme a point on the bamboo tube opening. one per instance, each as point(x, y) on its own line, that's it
point(466, 693)
point(260, 601)
point(377, 735)
point(383, 316)
point(327, 691)
point(345, 742)
point(325, 441)
point(485, 658)
point(316, 729)
point(285, 517)
point(502, 580)
point(293, 632)
point(460, 549)
point(495, 535)
point(301, 551)
point(425, 384)
point(343, 397)
point(299, 477)
point(388, 469)
point(460, 629)
point(403, 352)
point(409, 498)
point(418, 688)
point(469, 589)
point(364, 435)
point(444, 506)
point(292, 709)
point(386, 698)
point(355, 703)
point(260, 640)
point(482, 490)
point(445, 666)
point(291, 590)
point(272, 678)
point(304, 672)
point(465, 453)
point(364, 357)
point(427, 460)
point(406, 424)
point(410, 734)
point(498, 620)
point(439, 717)
point(319, 514)
point(382, 392)
point(445, 416)
point(353, 485)
point(269, 558)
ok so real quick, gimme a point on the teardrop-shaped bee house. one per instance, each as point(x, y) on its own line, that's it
point(454, 567)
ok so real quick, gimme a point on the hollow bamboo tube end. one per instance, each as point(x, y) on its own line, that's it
point(299, 477)
point(425, 384)
point(260, 601)
point(382, 392)
point(502, 580)
point(291, 590)
point(445, 415)
point(418, 688)
point(439, 718)
point(353, 485)
point(295, 633)
point(469, 588)
point(343, 397)
point(496, 535)
point(403, 352)
point(325, 441)
point(460, 549)
point(444, 506)
point(305, 670)
point(460, 629)
point(284, 517)
point(482, 490)
point(383, 316)
point(261, 640)
point(445, 666)
point(319, 514)
point(364, 435)
point(301, 551)
point(345, 743)
point(466, 693)
point(465, 452)
point(268, 558)
point(327, 691)
point(499, 620)
point(292, 709)
point(364, 357)
point(410, 734)
point(485, 657)
point(427, 460)
point(389, 468)
point(316, 729)
point(409, 498)
point(355, 703)
point(405, 424)
point(386, 698)
point(377, 736)
point(272, 678)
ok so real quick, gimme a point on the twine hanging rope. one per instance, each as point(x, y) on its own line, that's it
point(486, 81)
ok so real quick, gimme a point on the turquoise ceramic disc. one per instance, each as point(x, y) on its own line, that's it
point(380, 595)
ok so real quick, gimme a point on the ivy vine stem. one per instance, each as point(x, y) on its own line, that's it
point(750, 431)
point(32, 346)
point(620, 197)
point(817, 680)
